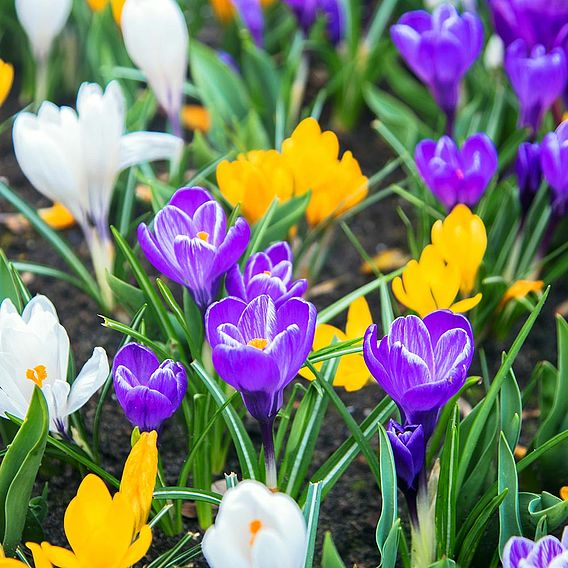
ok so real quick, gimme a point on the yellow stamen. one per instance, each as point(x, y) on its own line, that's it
point(38, 374)
point(267, 272)
point(203, 236)
point(254, 527)
point(258, 343)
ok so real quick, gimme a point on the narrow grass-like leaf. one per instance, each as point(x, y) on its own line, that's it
point(187, 494)
point(311, 515)
point(509, 518)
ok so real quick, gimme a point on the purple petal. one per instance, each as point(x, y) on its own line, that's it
point(258, 320)
point(155, 255)
point(235, 283)
point(228, 310)
point(544, 551)
point(210, 218)
point(189, 199)
point(147, 408)
point(413, 334)
point(233, 246)
point(140, 360)
point(441, 321)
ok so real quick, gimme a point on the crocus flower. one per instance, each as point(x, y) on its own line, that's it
point(255, 527)
point(100, 5)
point(272, 341)
point(538, 78)
point(529, 173)
point(268, 272)
point(42, 21)
point(258, 349)
point(40, 560)
point(139, 477)
point(191, 244)
point(521, 289)
point(336, 185)
point(457, 175)
point(6, 80)
point(74, 158)
point(440, 48)
point(196, 117)
point(462, 240)
point(409, 452)
point(110, 525)
point(254, 180)
point(421, 364)
point(537, 22)
point(149, 392)
point(548, 552)
point(352, 373)
point(34, 350)
point(554, 160)
point(494, 53)
point(156, 38)
point(307, 11)
point(431, 284)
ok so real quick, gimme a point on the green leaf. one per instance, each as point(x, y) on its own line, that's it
point(330, 556)
point(489, 400)
point(8, 287)
point(187, 494)
point(19, 470)
point(311, 515)
point(286, 216)
point(509, 518)
point(128, 296)
point(389, 488)
point(511, 408)
point(241, 439)
point(446, 499)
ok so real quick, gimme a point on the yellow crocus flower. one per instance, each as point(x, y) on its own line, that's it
point(254, 180)
point(431, 284)
point(139, 476)
point(40, 560)
point(116, 5)
point(520, 289)
point(564, 493)
point(462, 240)
point(100, 530)
point(196, 117)
point(352, 374)
point(336, 184)
point(6, 80)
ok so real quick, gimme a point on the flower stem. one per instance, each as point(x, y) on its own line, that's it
point(175, 124)
point(102, 255)
point(41, 81)
point(269, 458)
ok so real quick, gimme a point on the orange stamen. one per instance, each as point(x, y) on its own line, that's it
point(258, 343)
point(254, 527)
point(267, 272)
point(203, 236)
point(37, 375)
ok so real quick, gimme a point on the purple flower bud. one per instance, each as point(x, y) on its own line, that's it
point(543, 22)
point(529, 173)
point(538, 79)
point(409, 450)
point(228, 60)
point(259, 348)
point(421, 364)
point(250, 12)
point(149, 392)
point(554, 160)
point(548, 552)
point(307, 11)
point(268, 272)
point(457, 176)
point(191, 245)
point(440, 48)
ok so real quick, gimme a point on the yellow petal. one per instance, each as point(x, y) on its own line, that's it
point(385, 261)
point(323, 338)
point(196, 117)
point(139, 547)
point(60, 557)
point(97, 5)
point(40, 558)
point(6, 80)
point(358, 318)
point(57, 216)
point(11, 563)
point(564, 493)
point(352, 373)
point(139, 476)
point(117, 6)
point(223, 9)
point(520, 289)
point(465, 305)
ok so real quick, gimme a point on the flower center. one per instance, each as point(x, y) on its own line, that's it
point(203, 236)
point(37, 375)
point(267, 272)
point(258, 343)
point(254, 527)
point(460, 174)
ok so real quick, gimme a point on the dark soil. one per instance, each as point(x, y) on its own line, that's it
point(352, 508)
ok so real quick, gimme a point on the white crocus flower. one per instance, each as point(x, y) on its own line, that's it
point(75, 157)
point(156, 38)
point(34, 350)
point(42, 21)
point(256, 528)
point(494, 53)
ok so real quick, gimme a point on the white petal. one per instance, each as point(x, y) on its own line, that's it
point(138, 147)
point(39, 304)
point(42, 21)
point(219, 553)
point(56, 397)
point(271, 550)
point(11, 406)
point(92, 376)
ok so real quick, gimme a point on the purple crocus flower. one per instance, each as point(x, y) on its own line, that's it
point(421, 364)
point(149, 392)
point(440, 48)
point(307, 11)
point(457, 176)
point(548, 552)
point(529, 173)
point(409, 451)
point(250, 12)
point(554, 160)
point(191, 245)
point(268, 272)
point(259, 348)
point(537, 22)
point(538, 78)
